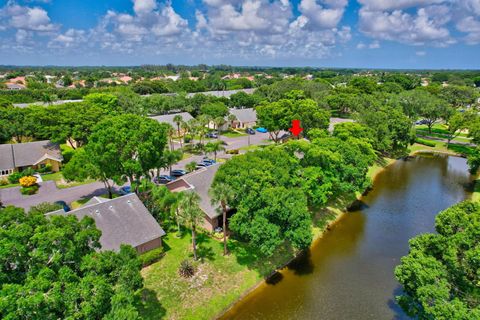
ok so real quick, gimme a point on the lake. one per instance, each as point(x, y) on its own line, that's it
point(349, 273)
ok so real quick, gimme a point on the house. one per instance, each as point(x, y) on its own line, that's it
point(168, 118)
point(200, 181)
point(246, 118)
point(15, 86)
point(123, 220)
point(38, 154)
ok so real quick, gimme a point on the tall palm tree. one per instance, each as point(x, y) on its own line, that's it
point(191, 215)
point(222, 194)
point(178, 120)
point(170, 158)
point(231, 118)
point(214, 147)
point(171, 132)
point(218, 122)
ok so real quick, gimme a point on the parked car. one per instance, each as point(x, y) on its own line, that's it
point(64, 205)
point(250, 131)
point(421, 122)
point(208, 162)
point(125, 190)
point(178, 173)
point(212, 135)
point(262, 130)
point(163, 179)
point(201, 165)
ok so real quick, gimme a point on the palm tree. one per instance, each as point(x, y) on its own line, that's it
point(178, 120)
point(218, 122)
point(231, 118)
point(191, 166)
point(214, 147)
point(170, 158)
point(191, 215)
point(222, 194)
point(171, 132)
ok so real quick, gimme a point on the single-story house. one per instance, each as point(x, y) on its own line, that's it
point(168, 118)
point(38, 154)
point(123, 220)
point(246, 118)
point(15, 86)
point(200, 181)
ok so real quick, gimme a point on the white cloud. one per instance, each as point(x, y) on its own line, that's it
point(27, 18)
point(426, 26)
point(387, 5)
point(321, 16)
point(144, 6)
point(421, 53)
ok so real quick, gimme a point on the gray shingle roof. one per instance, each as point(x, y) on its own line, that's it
point(245, 115)
point(168, 118)
point(27, 154)
point(6, 157)
point(123, 220)
point(201, 181)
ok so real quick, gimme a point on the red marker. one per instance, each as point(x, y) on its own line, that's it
point(295, 129)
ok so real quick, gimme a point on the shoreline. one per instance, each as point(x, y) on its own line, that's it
point(374, 171)
point(339, 214)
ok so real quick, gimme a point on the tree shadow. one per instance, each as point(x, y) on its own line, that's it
point(252, 258)
point(149, 307)
point(399, 314)
point(302, 265)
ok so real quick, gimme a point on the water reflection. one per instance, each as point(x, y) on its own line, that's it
point(348, 274)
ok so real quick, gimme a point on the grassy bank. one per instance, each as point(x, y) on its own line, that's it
point(220, 280)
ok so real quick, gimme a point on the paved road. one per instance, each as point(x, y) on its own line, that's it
point(49, 192)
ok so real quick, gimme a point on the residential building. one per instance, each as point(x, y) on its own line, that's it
point(200, 181)
point(246, 118)
point(123, 220)
point(38, 154)
point(168, 118)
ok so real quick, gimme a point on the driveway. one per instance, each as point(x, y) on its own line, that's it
point(49, 192)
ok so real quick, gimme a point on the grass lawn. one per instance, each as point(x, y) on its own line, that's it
point(233, 134)
point(10, 185)
point(438, 129)
point(218, 281)
point(456, 149)
point(251, 147)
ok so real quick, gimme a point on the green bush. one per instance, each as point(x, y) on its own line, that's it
point(151, 256)
point(187, 138)
point(45, 169)
point(426, 142)
point(29, 190)
point(14, 177)
point(3, 182)
point(233, 151)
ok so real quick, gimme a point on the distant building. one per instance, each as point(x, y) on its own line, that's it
point(226, 93)
point(200, 182)
point(15, 86)
point(246, 118)
point(20, 156)
point(123, 220)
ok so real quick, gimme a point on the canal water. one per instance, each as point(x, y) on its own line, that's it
point(348, 274)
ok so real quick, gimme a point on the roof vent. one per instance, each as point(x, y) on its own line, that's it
point(111, 207)
point(129, 201)
point(97, 212)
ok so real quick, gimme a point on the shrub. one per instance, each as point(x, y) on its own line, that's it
point(187, 138)
point(29, 190)
point(47, 168)
point(151, 256)
point(426, 142)
point(233, 151)
point(14, 177)
point(27, 181)
point(3, 182)
point(45, 207)
point(187, 269)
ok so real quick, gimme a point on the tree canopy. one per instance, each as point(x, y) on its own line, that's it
point(440, 276)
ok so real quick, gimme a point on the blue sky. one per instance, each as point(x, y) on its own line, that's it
point(441, 34)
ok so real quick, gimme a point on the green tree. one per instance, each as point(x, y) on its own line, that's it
point(178, 121)
point(440, 274)
point(222, 194)
point(127, 146)
point(50, 268)
point(214, 147)
point(191, 166)
point(191, 216)
point(214, 109)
